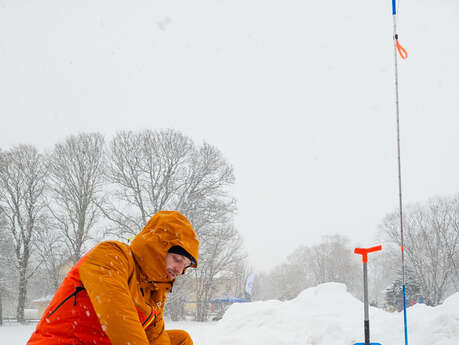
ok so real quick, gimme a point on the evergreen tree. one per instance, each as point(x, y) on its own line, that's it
point(394, 293)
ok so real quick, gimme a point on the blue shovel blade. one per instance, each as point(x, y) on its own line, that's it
point(365, 344)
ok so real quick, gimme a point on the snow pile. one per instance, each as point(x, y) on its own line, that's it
point(325, 314)
point(329, 315)
point(435, 325)
point(322, 315)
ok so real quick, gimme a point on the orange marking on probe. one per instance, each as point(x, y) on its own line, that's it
point(401, 51)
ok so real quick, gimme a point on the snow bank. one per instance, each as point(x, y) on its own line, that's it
point(325, 314)
point(329, 315)
point(322, 315)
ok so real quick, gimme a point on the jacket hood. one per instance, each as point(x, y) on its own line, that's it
point(164, 230)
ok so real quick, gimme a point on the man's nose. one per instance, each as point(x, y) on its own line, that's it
point(179, 269)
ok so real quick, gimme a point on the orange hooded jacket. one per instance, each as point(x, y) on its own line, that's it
point(116, 293)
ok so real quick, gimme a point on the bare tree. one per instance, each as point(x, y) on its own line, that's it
point(332, 260)
point(147, 172)
point(266, 286)
point(382, 272)
point(284, 282)
point(23, 175)
point(239, 273)
point(288, 279)
point(431, 233)
point(7, 266)
point(221, 260)
point(76, 183)
point(52, 252)
point(175, 303)
point(153, 171)
point(220, 250)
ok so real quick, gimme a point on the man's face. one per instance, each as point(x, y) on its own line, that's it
point(175, 264)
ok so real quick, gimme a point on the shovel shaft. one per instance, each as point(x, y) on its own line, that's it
point(366, 323)
point(365, 292)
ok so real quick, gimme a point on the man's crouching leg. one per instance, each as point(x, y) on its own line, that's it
point(179, 337)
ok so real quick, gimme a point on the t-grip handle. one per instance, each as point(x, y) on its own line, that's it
point(364, 252)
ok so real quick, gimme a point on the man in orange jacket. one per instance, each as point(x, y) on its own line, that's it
point(116, 293)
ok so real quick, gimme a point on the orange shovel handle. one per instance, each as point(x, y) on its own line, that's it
point(364, 252)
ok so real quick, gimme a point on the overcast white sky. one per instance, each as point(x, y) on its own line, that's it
point(298, 95)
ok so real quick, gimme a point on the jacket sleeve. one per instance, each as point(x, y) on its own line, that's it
point(105, 274)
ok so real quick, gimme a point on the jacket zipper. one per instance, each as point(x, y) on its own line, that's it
point(78, 289)
point(171, 283)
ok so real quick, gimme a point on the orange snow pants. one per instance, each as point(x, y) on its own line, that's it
point(173, 337)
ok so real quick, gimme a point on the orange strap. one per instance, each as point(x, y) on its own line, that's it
point(401, 51)
point(152, 317)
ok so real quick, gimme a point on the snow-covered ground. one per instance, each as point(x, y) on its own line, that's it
point(323, 315)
